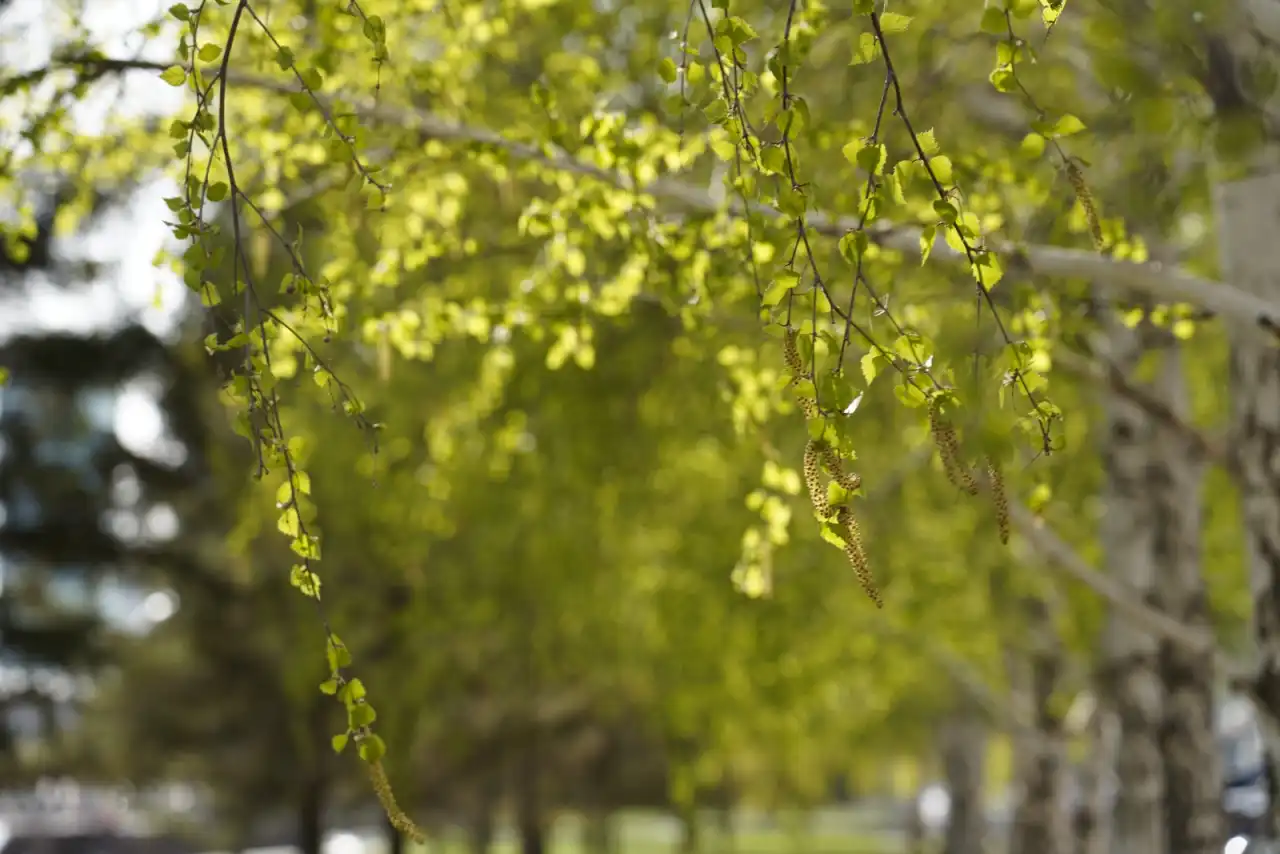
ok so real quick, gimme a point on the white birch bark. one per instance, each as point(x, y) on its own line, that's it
point(1247, 206)
point(1192, 765)
point(964, 759)
point(1093, 822)
point(1129, 668)
point(1040, 820)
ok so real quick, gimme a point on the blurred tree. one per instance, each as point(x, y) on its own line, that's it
point(90, 514)
point(584, 237)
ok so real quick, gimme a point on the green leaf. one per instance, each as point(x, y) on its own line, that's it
point(329, 686)
point(868, 157)
point(361, 715)
point(927, 142)
point(870, 366)
point(372, 748)
point(312, 80)
point(667, 70)
point(209, 52)
point(353, 690)
point(284, 58)
point(716, 112)
point(783, 284)
point(1032, 146)
point(217, 191)
point(174, 75)
point(909, 394)
point(339, 741)
point(853, 246)
point(336, 653)
point(1064, 126)
point(891, 22)
point(180, 12)
point(993, 21)
point(928, 237)
point(1003, 79)
point(774, 159)
point(941, 166)
point(867, 50)
point(832, 535)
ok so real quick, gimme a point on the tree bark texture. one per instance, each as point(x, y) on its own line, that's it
point(1129, 679)
point(1040, 819)
point(1093, 820)
point(964, 757)
point(1245, 201)
point(1192, 764)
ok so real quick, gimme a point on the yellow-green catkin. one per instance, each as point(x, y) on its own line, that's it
point(382, 788)
point(795, 364)
point(1000, 499)
point(857, 555)
point(831, 460)
point(813, 478)
point(1085, 196)
point(944, 437)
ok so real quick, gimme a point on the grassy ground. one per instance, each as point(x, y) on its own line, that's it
point(638, 833)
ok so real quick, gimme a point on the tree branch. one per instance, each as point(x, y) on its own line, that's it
point(1203, 445)
point(1158, 281)
point(1160, 625)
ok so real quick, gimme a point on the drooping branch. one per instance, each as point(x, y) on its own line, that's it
point(1158, 281)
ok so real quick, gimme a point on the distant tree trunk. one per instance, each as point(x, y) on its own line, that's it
point(1192, 764)
point(1093, 819)
point(533, 834)
point(728, 832)
point(531, 823)
point(598, 832)
point(1129, 671)
point(964, 758)
point(480, 830)
point(690, 831)
point(311, 815)
point(915, 830)
point(1040, 820)
point(395, 839)
point(1249, 256)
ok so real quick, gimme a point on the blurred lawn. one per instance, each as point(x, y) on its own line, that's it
point(640, 833)
point(756, 843)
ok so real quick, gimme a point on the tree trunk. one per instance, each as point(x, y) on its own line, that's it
point(1129, 669)
point(480, 830)
point(395, 839)
point(1040, 820)
point(964, 755)
point(1249, 257)
point(533, 835)
point(1192, 764)
point(531, 825)
point(310, 816)
point(1093, 820)
point(597, 832)
point(915, 831)
point(728, 830)
point(690, 831)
